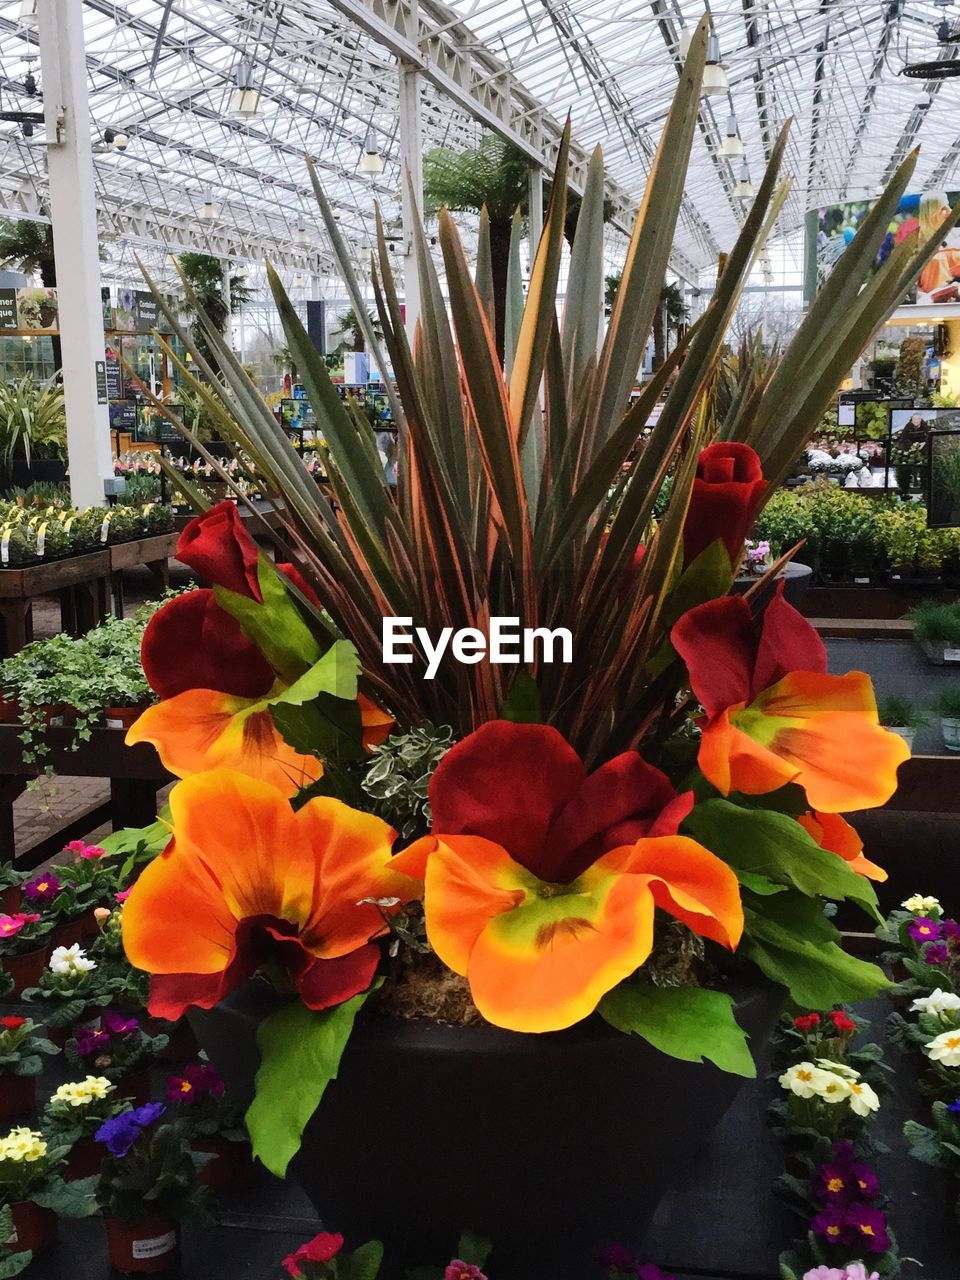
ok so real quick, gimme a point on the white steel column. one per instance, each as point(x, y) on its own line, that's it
point(73, 212)
point(228, 303)
point(535, 201)
point(411, 163)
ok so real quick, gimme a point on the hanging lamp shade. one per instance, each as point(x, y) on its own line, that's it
point(209, 209)
point(732, 144)
point(28, 13)
point(371, 161)
point(714, 76)
point(300, 235)
point(245, 100)
point(744, 188)
point(684, 41)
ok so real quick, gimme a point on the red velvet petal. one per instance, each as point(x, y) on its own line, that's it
point(725, 498)
point(787, 643)
point(300, 582)
point(506, 782)
point(718, 642)
point(191, 643)
point(171, 994)
point(328, 982)
point(618, 804)
point(219, 548)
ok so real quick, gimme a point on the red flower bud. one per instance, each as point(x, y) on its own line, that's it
point(841, 1022)
point(12, 1023)
point(219, 548)
point(807, 1022)
point(726, 496)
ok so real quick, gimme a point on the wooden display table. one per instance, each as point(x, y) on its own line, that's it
point(154, 552)
point(81, 582)
point(135, 774)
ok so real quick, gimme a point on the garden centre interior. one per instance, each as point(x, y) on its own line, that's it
point(480, 639)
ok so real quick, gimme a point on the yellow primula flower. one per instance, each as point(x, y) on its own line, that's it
point(22, 1145)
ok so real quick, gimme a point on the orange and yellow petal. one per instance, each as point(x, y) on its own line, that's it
point(547, 964)
point(202, 729)
point(734, 761)
point(686, 880)
point(833, 833)
point(376, 725)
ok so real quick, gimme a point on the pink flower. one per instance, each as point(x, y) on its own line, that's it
point(458, 1270)
point(91, 852)
point(122, 896)
point(75, 846)
point(320, 1249)
point(9, 925)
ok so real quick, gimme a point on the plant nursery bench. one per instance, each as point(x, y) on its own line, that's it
point(82, 582)
point(135, 774)
point(153, 552)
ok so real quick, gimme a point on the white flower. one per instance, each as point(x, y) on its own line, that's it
point(805, 1079)
point(833, 1088)
point(939, 1003)
point(945, 1048)
point(863, 1099)
point(921, 906)
point(70, 961)
point(838, 1068)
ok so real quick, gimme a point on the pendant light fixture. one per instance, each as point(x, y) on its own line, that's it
point(209, 209)
point(337, 212)
point(242, 271)
point(300, 235)
point(371, 161)
point(245, 100)
point(28, 13)
point(714, 76)
point(684, 41)
point(744, 188)
point(732, 144)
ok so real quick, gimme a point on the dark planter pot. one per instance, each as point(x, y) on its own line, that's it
point(230, 1167)
point(18, 1095)
point(9, 711)
point(147, 1247)
point(68, 934)
point(121, 717)
point(34, 1229)
point(796, 579)
point(10, 899)
point(84, 1160)
point(25, 969)
point(181, 1042)
point(547, 1144)
point(135, 1085)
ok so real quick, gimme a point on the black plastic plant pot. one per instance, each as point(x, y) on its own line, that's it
point(549, 1144)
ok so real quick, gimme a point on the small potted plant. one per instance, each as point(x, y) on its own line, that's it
point(48, 893)
point(936, 629)
point(73, 1115)
point(147, 1185)
point(948, 708)
point(121, 1050)
point(901, 717)
point(92, 877)
point(32, 1187)
point(324, 1258)
point(23, 947)
point(11, 893)
point(21, 1061)
point(71, 987)
point(216, 1126)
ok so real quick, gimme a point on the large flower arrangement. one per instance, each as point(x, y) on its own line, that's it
point(613, 834)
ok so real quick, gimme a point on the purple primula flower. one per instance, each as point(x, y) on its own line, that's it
point(119, 1133)
point(835, 1182)
point(92, 1043)
point(923, 929)
point(954, 1107)
point(936, 953)
point(616, 1257)
point(866, 1181)
point(459, 1270)
point(868, 1226)
point(119, 1026)
point(951, 929)
point(831, 1225)
point(43, 889)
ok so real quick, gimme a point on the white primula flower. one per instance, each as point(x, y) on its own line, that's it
point(939, 1003)
point(70, 961)
point(945, 1048)
point(805, 1079)
point(863, 1099)
point(921, 906)
point(838, 1068)
point(833, 1088)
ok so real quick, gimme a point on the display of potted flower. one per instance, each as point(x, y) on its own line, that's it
point(901, 717)
point(92, 877)
point(936, 629)
point(21, 1061)
point(32, 1187)
point(947, 705)
point(58, 901)
point(924, 948)
point(23, 947)
point(71, 990)
point(147, 1185)
point(629, 847)
point(215, 1124)
point(74, 1113)
point(11, 879)
point(119, 1049)
point(324, 1258)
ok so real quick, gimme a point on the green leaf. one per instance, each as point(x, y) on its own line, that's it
point(790, 939)
point(335, 673)
point(276, 626)
point(14, 1263)
point(69, 1199)
point(925, 1146)
point(329, 727)
point(776, 846)
point(299, 1055)
point(473, 1248)
point(363, 1263)
point(522, 703)
point(690, 1023)
point(759, 884)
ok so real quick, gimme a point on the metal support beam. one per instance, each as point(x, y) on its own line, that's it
point(411, 189)
point(228, 302)
point(74, 214)
point(535, 201)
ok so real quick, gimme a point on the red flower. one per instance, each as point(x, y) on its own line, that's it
point(726, 496)
point(841, 1023)
point(320, 1249)
point(12, 1023)
point(220, 655)
point(219, 548)
point(807, 1022)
